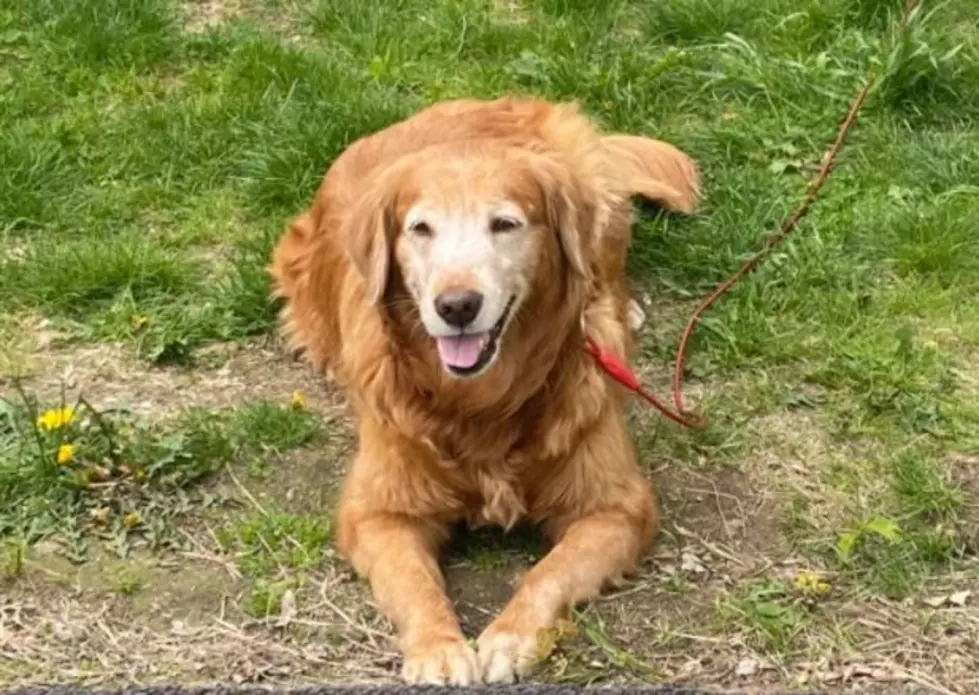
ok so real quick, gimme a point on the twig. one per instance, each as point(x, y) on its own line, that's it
point(208, 557)
point(370, 633)
point(710, 547)
point(926, 682)
point(245, 492)
point(614, 596)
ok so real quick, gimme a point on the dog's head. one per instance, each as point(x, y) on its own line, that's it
point(473, 233)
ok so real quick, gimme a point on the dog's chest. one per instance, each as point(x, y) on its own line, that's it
point(501, 501)
point(491, 466)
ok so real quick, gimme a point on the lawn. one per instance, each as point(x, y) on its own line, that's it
point(167, 470)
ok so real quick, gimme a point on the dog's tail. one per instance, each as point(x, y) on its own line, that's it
point(655, 170)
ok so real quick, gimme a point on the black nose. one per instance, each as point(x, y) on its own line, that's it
point(458, 308)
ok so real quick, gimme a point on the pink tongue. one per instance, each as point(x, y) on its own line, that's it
point(461, 351)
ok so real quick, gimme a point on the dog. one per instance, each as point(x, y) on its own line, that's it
point(446, 275)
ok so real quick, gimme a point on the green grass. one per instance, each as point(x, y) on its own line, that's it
point(275, 551)
point(78, 473)
point(146, 171)
point(771, 614)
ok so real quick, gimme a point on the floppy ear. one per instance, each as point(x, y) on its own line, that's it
point(368, 233)
point(571, 211)
point(655, 170)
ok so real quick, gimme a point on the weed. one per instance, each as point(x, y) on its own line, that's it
point(128, 583)
point(264, 598)
point(12, 554)
point(275, 551)
point(76, 471)
point(271, 426)
point(769, 612)
point(281, 541)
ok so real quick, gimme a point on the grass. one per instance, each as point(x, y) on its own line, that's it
point(150, 156)
point(276, 551)
point(74, 471)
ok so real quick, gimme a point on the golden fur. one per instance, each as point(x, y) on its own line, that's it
point(541, 436)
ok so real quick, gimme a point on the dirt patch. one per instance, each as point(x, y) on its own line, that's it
point(283, 18)
point(306, 481)
point(510, 12)
point(90, 638)
point(180, 616)
point(110, 376)
point(205, 14)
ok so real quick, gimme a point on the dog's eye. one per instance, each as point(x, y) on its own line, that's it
point(504, 224)
point(420, 228)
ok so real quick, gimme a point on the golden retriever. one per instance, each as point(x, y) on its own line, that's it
point(446, 276)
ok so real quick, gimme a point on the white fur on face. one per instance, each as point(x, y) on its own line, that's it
point(459, 250)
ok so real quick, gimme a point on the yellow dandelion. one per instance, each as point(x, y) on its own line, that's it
point(66, 452)
point(57, 418)
point(132, 519)
point(298, 400)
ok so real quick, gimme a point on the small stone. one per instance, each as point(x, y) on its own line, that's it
point(959, 598)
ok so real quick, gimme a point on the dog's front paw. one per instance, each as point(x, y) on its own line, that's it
point(441, 662)
point(506, 655)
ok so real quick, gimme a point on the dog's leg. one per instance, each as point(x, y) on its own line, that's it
point(606, 518)
point(390, 527)
point(398, 555)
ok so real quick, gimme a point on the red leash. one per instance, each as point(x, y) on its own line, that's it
point(616, 367)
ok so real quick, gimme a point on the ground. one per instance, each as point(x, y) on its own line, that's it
point(174, 522)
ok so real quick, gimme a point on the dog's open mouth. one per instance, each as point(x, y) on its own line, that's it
point(468, 353)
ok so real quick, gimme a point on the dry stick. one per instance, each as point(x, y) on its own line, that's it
point(787, 228)
point(249, 496)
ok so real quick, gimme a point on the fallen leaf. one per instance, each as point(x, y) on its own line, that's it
point(549, 638)
point(959, 598)
point(691, 563)
point(935, 601)
point(746, 667)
